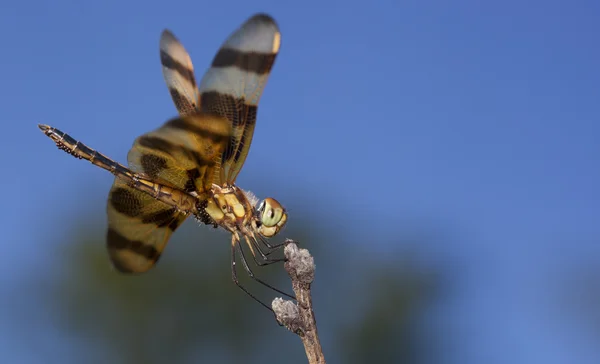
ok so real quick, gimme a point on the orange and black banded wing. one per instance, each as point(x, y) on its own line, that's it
point(139, 228)
point(184, 153)
point(178, 72)
point(234, 83)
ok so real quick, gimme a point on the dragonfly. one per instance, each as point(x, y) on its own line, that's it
point(189, 165)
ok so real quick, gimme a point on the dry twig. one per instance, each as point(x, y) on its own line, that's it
point(300, 318)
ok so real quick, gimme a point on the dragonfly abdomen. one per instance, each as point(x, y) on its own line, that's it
point(81, 151)
point(183, 202)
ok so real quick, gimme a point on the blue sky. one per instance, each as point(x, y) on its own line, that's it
point(481, 116)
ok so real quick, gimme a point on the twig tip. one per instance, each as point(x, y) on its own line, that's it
point(300, 263)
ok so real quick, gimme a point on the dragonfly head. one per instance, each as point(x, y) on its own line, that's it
point(272, 217)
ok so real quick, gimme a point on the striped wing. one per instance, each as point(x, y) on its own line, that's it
point(139, 227)
point(184, 153)
point(178, 72)
point(232, 86)
point(234, 83)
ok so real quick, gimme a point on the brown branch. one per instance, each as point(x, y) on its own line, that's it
point(300, 318)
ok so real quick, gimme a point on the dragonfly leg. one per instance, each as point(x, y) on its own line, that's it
point(273, 248)
point(276, 246)
point(251, 241)
point(237, 282)
point(251, 274)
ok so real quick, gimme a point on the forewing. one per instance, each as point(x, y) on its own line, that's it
point(184, 153)
point(178, 72)
point(234, 83)
point(139, 227)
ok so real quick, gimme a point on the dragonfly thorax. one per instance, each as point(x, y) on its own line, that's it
point(235, 210)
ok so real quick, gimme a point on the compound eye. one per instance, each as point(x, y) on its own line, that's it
point(271, 212)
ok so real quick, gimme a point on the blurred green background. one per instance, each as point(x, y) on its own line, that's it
point(188, 310)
